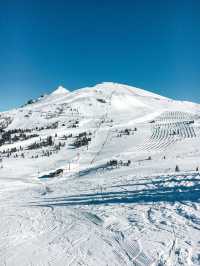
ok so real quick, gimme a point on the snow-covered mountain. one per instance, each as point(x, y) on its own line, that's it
point(104, 175)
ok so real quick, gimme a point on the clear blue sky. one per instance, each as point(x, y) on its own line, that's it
point(153, 44)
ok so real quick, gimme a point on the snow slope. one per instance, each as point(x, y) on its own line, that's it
point(138, 211)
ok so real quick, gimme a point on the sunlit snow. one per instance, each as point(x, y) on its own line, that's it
point(104, 175)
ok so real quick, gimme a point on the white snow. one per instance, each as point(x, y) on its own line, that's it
point(60, 90)
point(95, 214)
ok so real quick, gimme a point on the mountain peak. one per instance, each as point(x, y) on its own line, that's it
point(123, 88)
point(60, 90)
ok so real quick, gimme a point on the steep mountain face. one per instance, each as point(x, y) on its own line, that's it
point(104, 175)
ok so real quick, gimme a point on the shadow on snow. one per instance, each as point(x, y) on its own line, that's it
point(163, 191)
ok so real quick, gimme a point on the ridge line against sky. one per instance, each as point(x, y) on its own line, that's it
point(49, 92)
point(147, 44)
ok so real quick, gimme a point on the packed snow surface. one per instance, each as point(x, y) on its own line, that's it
point(104, 175)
